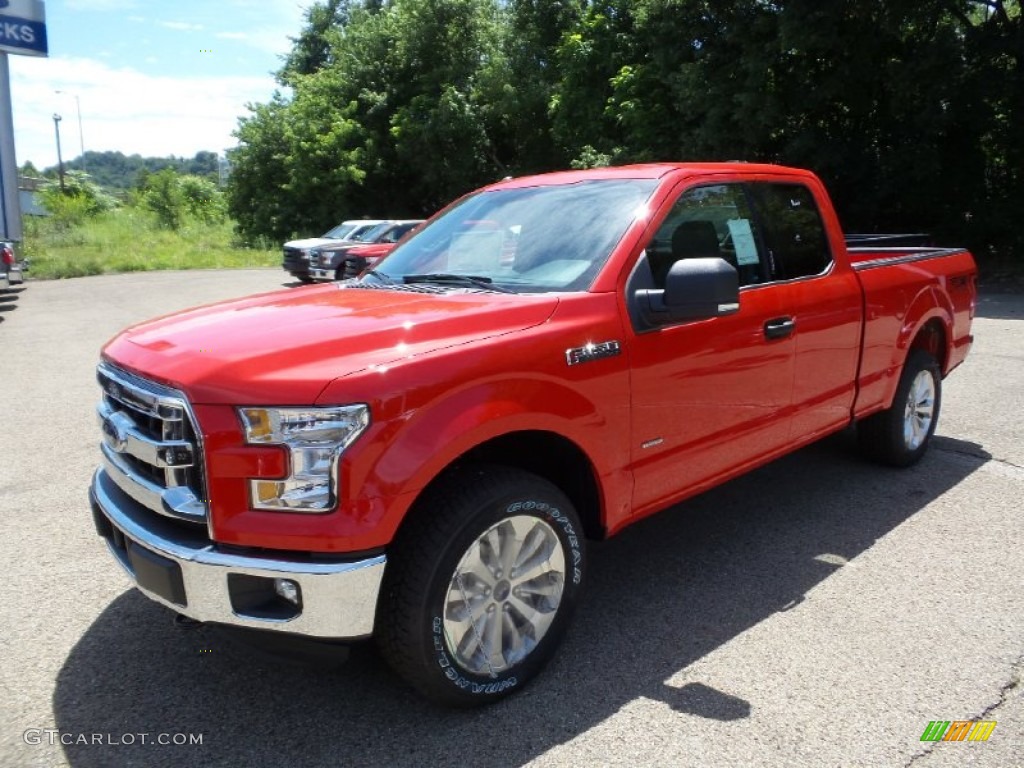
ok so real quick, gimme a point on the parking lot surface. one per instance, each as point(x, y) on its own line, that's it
point(820, 611)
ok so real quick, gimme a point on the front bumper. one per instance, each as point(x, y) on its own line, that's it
point(321, 274)
point(176, 565)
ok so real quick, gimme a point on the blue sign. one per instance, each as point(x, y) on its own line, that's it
point(23, 27)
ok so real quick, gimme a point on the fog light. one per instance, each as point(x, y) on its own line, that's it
point(287, 589)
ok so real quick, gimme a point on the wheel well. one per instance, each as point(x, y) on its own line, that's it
point(932, 339)
point(553, 457)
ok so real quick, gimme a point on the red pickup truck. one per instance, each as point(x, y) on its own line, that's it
point(421, 454)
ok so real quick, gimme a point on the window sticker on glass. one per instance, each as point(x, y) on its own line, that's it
point(475, 252)
point(743, 241)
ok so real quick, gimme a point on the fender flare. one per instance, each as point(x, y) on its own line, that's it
point(928, 305)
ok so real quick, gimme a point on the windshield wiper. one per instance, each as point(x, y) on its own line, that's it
point(446, 278)
point(386, 279)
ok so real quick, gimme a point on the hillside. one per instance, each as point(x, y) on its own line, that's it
point(118, 171)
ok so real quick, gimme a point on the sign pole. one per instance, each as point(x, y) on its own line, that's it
point(10, 205)
point(22, 30)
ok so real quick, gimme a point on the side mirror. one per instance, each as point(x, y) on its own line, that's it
point(695, 289)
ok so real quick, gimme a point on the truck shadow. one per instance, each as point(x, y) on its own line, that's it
point(9, 299)
point(661, 596)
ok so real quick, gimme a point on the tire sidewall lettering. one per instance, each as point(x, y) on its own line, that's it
point(460, 681)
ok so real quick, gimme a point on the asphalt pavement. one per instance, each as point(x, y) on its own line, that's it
point(820, 611)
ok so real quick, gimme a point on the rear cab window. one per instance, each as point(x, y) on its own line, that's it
point(793, 230)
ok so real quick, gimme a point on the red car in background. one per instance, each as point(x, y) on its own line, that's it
point(11, 268)
point(362, 257)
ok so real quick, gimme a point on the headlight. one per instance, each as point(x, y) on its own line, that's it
point(315, 438)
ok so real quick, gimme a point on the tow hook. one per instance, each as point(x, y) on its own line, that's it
point(184, 622)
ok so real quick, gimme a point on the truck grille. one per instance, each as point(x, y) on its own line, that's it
point(150, 444)
point(295, 258)
point(353, 267)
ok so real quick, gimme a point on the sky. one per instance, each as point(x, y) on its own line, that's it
point(152, 77)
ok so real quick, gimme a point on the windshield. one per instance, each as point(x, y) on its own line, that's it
point(370, 233)
point(548, 238)
point(340, 232)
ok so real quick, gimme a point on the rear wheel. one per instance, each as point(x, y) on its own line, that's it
point(899, 436)
point(481, 584)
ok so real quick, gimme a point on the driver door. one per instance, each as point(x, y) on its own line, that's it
point(710, 397)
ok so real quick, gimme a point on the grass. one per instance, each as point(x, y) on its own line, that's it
point(130, 240)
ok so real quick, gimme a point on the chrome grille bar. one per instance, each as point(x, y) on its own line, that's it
point(151, 447)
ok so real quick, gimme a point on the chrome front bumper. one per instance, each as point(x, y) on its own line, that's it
point(181, 568)
point(321, 274)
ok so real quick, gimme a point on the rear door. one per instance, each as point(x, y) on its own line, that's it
point(824, 305)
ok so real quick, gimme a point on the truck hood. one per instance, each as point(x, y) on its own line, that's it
point(375, 251)
point(310, 242)
point(283, 348)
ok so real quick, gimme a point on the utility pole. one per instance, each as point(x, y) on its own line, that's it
point(81, 135)
point(60, 160)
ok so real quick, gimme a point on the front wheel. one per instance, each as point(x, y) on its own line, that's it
point(899, 436)
point(481, 584)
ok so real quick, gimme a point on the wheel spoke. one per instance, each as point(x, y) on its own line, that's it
point(538, 544)
point(467, 601)
point(468, 644)
point(494, 637)
point(521, 632)
point(541, 593)
point(490, 552)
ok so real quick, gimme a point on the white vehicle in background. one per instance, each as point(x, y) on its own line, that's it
point(296, 252)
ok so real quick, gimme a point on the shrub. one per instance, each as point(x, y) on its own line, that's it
point(175, 198)
point(79, 199)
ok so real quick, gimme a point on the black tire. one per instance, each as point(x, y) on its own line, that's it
point(304, 279)
point(882, 436)
point(447, 523)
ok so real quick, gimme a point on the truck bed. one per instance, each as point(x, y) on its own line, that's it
point(903, 289)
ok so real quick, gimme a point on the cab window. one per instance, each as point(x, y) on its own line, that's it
point(794, 232)
point(710, 221)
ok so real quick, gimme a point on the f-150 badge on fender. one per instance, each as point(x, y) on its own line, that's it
point(591, 351)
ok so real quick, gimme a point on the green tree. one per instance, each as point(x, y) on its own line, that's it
point(910, 109)
point(164, 197)
point(313, 49)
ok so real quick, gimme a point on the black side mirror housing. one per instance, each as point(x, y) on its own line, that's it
point(695, 289)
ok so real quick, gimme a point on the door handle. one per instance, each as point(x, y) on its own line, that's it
point(779, 327)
